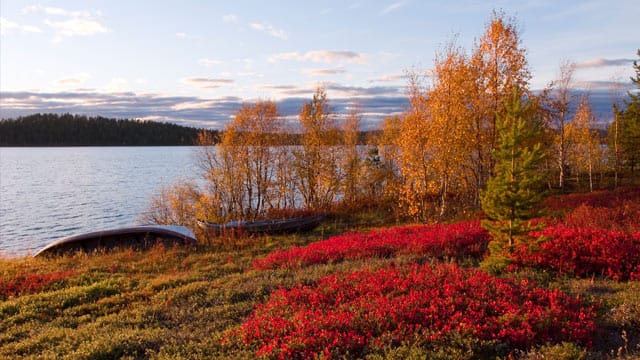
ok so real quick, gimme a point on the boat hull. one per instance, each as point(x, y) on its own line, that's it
point(137, 237)
point(276, 226)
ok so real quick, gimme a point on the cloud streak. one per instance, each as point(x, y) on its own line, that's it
point(375, 104)
point(55, 11)
point(598, 63)
point(603, 85)
point(68, 23)
point(192, 110)
point(270, 29)
point(393, 7)
point(337, 90)
point(206, 83)
point(209, 62)
point(323, 72)
point(74, 80)
point(388, 78)
point(324, 56)
point(7, 26)
point(77, 27)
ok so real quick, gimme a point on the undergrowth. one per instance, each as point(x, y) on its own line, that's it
point(189, 302)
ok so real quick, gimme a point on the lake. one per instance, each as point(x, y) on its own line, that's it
point(49, 193)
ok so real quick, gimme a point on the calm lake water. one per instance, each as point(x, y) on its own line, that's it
point(49, 193)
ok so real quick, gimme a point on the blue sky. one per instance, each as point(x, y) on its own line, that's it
point(195, 62)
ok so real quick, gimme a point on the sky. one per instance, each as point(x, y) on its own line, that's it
point(195, 62)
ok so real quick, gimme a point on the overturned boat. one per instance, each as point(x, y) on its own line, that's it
point(273, 226)
point(137, 237)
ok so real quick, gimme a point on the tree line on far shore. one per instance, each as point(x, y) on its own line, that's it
point(49, 129)
point(80, 130)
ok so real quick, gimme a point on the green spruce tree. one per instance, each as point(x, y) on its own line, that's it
point(515, 188)
point(631, 124)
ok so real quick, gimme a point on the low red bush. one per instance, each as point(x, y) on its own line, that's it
point(602, 198)
point(455, 241)
point(625, 217)
point(352, 313)
point(30, 283)
point(583, 252)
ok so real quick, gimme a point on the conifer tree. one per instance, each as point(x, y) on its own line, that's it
point(514, 189)
point(631, 123)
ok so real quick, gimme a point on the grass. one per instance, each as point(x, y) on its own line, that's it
point(179, 303)
point(162, 303)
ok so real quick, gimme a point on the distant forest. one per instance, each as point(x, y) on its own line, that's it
point(79, 130)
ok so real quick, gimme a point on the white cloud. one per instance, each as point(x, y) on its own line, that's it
point(596, 63)
point(73, 80)
point(77, 27)
point(324, 72)
point(326, 56)
point(181, 34)
point(69, 23)
point(603, 85)
point(7, 26)
point(277, 87)
point(269, 29)
point(193, 105)
point(55, 11)
point(206, 83)
point(393, 7)
point(357, 91)
point(230, 18)
point(389, 78)
point(192, 110)
point(209, 62)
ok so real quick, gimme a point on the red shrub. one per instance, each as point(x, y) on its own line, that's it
point(457, 241)
point(625, 217)
point(584, 252)
point(602, 198)
point(30, 283)
point(352, 313)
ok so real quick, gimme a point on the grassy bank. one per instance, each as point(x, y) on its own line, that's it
point(193, 302)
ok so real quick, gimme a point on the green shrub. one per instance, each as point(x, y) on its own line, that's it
point(562, 351)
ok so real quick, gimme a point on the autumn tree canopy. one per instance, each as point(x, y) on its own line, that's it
point(316, 164)
point(465, 141)
point(449, 132)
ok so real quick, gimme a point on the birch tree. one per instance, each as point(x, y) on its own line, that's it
point(500, 63)
point(561, 101)
point(351, 160)
point(316, 162)
point(241, 171)
point(585, 156)
point(449, 130)
point(415, 153)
